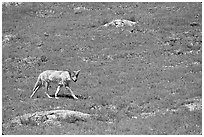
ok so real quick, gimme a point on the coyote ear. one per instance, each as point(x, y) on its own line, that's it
point(77, 72)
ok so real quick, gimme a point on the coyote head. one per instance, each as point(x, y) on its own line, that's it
point(75, 75)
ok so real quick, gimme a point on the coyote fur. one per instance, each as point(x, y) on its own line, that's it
point(62, 78)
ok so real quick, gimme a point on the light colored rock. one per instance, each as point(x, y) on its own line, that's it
point(50, 117)
point(120, 23)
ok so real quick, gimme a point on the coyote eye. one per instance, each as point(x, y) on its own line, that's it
point(72, 75)
point(74, 78)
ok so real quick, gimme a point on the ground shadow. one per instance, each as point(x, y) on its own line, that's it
point(69, 96)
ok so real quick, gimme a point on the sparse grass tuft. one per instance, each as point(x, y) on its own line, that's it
point(28, 121)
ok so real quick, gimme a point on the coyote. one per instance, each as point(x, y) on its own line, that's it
point(62, 78)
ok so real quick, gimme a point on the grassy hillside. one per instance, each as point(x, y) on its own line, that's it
point(141, 79)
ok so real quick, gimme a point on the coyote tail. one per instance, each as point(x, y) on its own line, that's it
point(38, 83)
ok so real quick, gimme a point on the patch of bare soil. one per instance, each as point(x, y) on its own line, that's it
point(141, 67)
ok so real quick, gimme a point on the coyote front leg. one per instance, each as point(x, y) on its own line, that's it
point(71, 92)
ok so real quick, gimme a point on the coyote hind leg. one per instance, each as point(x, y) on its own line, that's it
point(57, 91)
point(47, 87)
point(35, 90)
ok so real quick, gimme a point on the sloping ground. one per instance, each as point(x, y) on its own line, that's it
point(141, 66)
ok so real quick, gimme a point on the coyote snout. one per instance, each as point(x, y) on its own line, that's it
point(62, 78)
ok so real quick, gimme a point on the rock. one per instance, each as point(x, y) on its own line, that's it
point(193, 104)
point(79, 10)
point(53, 117)
point(120, 23)
point(8, 38)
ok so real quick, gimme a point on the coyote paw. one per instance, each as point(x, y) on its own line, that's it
point(56, 97)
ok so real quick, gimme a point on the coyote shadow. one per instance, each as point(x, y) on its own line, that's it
point(69, 96)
